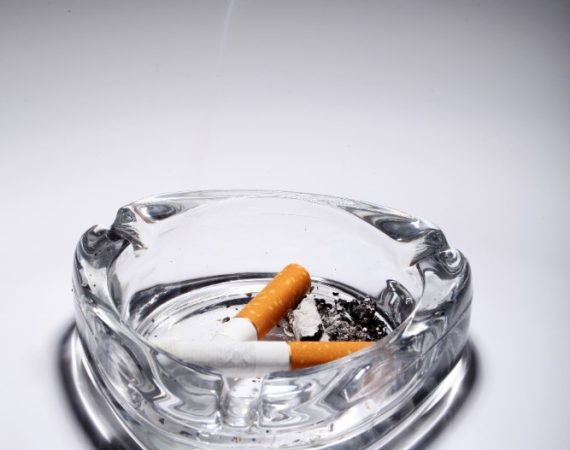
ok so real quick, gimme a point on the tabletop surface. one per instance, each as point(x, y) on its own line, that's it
point(453, 111)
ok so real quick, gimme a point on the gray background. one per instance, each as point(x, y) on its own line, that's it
point(454, 111)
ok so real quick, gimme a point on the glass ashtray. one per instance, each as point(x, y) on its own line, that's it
point(179, 264)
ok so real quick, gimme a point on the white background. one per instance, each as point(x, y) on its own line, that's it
point(454, 111)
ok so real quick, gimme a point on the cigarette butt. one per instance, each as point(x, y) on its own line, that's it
point(258, 358)
point(312, 353)
point(261, 314)
point(233, 358)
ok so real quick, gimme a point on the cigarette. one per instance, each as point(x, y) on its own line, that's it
point(254, 358)
point(312, 353)
point(261, 314)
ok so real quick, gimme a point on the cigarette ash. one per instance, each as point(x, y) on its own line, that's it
point(335, 319)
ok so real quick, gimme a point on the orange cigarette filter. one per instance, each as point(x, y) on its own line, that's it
point(311, 353)
point(282, 294)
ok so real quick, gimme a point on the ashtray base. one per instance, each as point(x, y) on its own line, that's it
point(106, 430)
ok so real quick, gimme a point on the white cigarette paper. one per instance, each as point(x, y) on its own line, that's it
point(306, 321)
point(236, 359)
point(239, 329)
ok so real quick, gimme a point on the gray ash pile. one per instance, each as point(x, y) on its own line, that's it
point(335, 319)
